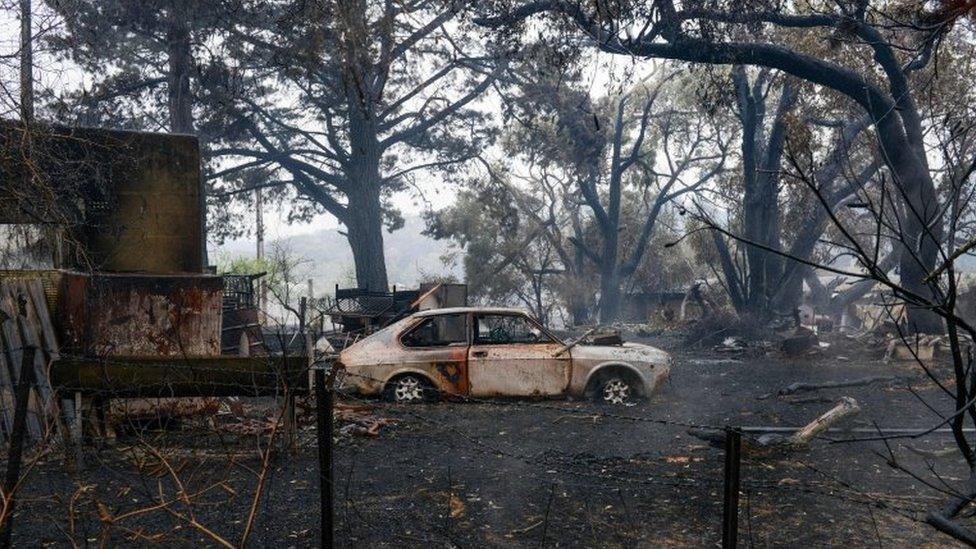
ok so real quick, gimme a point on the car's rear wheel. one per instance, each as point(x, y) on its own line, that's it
point(616, 388)
point(408, 389)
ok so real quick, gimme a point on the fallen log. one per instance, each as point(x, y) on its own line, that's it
point(945, 525)
point(800, 387)
point(801, 438)
point(846, 407)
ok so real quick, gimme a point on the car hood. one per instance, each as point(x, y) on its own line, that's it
point(630, 352)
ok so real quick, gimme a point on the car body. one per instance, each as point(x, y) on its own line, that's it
point(486, 352)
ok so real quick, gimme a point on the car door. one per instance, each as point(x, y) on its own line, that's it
point(511, 355)
point(438, 347)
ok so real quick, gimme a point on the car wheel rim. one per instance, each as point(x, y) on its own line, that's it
point(408, 389)
point(616, 391)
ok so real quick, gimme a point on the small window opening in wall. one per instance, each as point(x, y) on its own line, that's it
point(28, 246)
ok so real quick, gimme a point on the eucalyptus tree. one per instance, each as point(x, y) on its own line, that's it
point(632, 151)
point(502, 245)
point(147, 64)
point(773, 214)
point(369, 96)
point(871, 53)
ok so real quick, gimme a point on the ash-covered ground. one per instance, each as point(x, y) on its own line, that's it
point(535, 473)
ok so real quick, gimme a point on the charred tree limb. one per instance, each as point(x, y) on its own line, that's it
point(801, 387)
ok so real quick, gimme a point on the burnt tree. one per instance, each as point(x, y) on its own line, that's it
point(606, 149)
point(695, 34)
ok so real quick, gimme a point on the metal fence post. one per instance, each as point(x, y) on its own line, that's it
point(324, 398)
point(730, 510)
point(18, 432)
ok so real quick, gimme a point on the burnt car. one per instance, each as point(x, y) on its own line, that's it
point(486, 352)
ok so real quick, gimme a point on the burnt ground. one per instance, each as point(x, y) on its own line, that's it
point(532, 473)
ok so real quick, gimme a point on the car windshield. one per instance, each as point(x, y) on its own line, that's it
point(507, 329)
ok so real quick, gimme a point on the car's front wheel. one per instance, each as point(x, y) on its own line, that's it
point(408, 389)
point(615, 388)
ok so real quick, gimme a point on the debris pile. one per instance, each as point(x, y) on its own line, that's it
point(359, 420)
point(603, 337)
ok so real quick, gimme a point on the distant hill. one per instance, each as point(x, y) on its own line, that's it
point(328, 259)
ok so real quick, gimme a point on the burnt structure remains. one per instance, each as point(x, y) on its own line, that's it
point(123, 304)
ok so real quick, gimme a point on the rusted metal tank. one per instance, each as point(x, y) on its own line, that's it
point(113, 315)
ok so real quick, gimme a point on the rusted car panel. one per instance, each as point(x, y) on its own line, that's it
point(518, 370)
point(478, 369)
point(651, 364)
point(140, 315)
point(445, 367)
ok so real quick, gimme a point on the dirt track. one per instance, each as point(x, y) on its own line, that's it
point(534, 473)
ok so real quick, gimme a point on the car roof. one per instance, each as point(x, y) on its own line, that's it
point(462, 310)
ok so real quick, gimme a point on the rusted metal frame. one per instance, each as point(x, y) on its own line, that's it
point(730, 507)
point(459, 379)
point(133, 315)
point(324, 404)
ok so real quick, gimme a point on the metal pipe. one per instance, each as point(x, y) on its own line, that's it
point(324, 399)
point(730, 509)
point(862, 430)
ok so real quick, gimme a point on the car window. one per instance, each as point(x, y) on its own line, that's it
point(502, 329)
point(438, 331)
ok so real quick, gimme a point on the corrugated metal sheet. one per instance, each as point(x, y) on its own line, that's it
point(140, 315)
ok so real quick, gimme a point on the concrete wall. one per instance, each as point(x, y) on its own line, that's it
point(129, 201)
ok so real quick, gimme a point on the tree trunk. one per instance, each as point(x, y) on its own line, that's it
point(364, 182)
point(578, 312)
point(364, 225)
point(751, 111)
point(922, 226)
point(26, 64)
point(733, 284)
point(609, 293)
point(178, 80)
point(610, 274)
point(755, 257)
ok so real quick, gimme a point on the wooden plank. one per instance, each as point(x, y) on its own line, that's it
point(7, 399)
point(36, 290)
point(31, 328)
point(11, 332)
point(43, 404)
point(6, 393)
point(167, 376)
point(15, 342)
point(9, 351)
